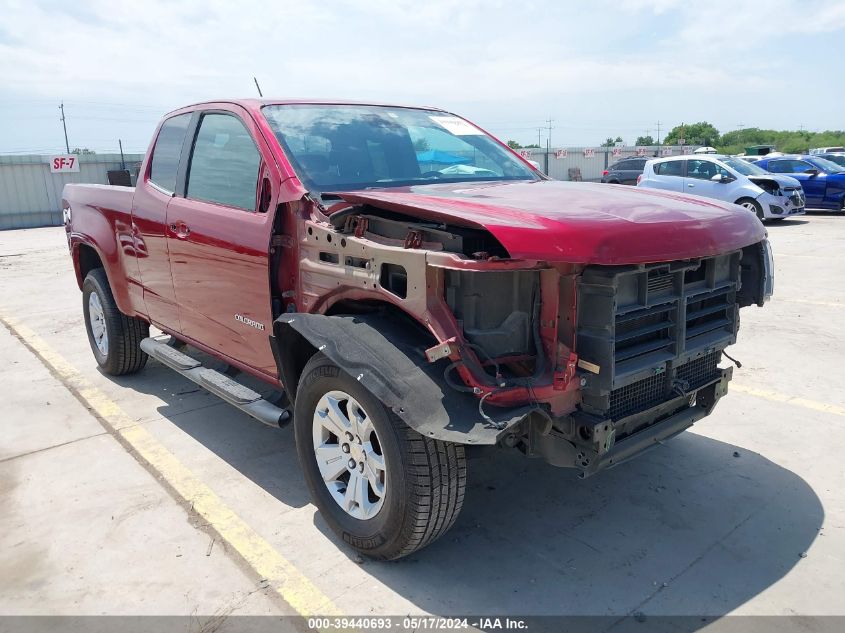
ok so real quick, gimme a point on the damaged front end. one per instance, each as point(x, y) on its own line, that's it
point(581, 365)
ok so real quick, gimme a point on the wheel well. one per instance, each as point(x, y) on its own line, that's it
point(294, 351)
point(88, 261)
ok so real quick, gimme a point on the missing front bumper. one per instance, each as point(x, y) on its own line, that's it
point(653, 427)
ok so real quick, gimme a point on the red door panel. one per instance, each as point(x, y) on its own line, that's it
point(219, 241)
point(149, 216)
point(219, 260)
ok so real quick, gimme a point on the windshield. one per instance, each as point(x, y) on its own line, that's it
point(827, 166)
point(839, 159)
point(744, 168)
point(349, 147)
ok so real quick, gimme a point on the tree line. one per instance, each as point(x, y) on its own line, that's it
point(735, 142)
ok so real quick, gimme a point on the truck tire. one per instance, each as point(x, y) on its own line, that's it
point(382, 487)
point(114, 337)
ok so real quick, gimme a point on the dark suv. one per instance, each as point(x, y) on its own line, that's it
point(624, 172)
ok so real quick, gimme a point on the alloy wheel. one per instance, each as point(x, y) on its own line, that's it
point(97, 321)
point(349, 455)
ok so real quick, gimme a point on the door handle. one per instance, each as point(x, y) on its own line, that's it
point(689, 184)
point(180, 229)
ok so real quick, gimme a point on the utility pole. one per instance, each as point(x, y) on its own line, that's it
point(64, 126)
point(658, 137)
point(258, 87)
point(548, 143)
point(539, 131)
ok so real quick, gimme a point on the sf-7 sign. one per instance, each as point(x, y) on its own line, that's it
point(68, 162)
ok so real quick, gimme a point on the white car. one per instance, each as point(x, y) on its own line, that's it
point(770, 196)
point(826, 150)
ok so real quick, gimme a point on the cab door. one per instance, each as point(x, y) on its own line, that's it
point(153, 194)
point(219, 239)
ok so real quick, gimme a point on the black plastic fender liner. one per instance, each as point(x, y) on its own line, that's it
point(387, 357)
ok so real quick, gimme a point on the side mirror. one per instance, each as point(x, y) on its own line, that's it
point(722, 178)
point(812, 173)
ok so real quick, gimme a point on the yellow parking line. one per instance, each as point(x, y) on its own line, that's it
point(777, 396)
point(281, 575)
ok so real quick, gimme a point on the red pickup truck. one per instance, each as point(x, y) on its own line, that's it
point(411, 287)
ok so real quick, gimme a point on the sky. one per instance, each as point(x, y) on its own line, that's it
point(597, 68)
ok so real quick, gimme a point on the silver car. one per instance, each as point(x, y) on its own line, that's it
point(770, 196)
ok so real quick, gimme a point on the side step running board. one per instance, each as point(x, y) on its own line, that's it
point(219, 384)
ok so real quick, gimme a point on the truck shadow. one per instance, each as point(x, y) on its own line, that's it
point(696, 526)
point(265, 455)
point(687, 529)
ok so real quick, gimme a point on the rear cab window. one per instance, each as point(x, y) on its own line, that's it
point(164, 162)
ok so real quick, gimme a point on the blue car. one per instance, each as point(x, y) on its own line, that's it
point(823, 180)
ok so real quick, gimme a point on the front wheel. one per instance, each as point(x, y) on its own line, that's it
point(114, 337)
point(381, 486)
point(753, 206)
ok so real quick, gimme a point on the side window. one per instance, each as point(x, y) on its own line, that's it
point(167, 151)
point(224, 163)
point(669, 168)
point(701, 169)
point(799, 166)
point(780, 166)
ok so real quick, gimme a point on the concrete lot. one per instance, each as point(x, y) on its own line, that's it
point(743, 514)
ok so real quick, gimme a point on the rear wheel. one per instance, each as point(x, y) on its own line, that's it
point(381, 486)
point(114, 337)
point(753, 206)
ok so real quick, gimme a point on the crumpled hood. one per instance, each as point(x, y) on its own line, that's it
point(783, 181)
point(587, 223)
